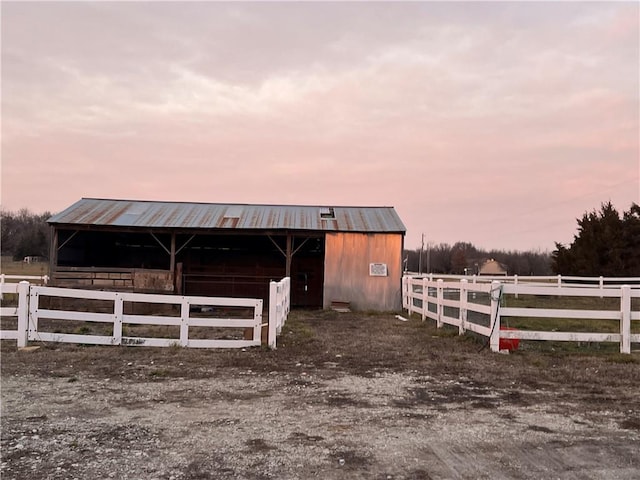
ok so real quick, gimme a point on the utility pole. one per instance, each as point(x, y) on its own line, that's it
point(420, 259)
point(428, 257)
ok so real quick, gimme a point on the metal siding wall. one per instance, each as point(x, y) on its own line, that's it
point(347, 259)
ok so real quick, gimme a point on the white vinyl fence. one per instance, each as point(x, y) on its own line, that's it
point(184, 312)
point(279, 307)
point(477, 307)
point(20, 311)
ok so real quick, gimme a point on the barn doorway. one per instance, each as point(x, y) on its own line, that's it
point(243, 266)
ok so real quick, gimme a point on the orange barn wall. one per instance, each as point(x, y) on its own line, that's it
point(346, 277)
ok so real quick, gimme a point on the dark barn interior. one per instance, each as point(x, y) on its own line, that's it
point(238, 265)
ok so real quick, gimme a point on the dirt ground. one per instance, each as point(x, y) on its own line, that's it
point(345, 395)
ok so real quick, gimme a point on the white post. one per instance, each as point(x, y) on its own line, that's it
point(1, 284)
point(273, 312)
point(118, 312)
point(601, 285)
point(515, 282)
point(439, 299)
point(184, 322)
point(625, 319)
point(257, 316)
point(405, 292)
point(32, 318)
point(494, 321)
point(462, 306)
point(425, 297)
point(23, 313)
point(559, 281)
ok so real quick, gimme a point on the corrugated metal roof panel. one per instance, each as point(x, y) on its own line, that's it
point(148, 214)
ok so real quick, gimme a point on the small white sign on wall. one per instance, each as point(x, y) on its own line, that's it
point(378, 270)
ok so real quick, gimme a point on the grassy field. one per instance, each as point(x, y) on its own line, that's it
point(10, 267)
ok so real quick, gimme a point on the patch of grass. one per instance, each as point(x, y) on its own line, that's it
point(446, 331)
point(622, 358)
point(83, 330)
point(10, 267)
point(299, 330)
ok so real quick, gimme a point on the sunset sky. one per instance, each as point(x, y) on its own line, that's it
point(493, 123)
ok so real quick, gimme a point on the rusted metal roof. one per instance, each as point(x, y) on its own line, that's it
point(182, 215)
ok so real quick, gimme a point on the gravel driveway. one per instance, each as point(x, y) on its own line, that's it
point(344, 396)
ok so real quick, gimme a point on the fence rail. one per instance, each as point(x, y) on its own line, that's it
point(557, 280)
point(477, 307)
point(185, 312)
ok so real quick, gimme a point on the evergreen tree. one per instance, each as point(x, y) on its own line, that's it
point(605, 244)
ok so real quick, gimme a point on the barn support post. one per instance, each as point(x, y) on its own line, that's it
point(172, 261)
point(288, 256)
point(23, 313)
point(625, 319)
point(53, 252)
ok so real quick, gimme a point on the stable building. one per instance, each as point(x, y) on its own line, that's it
point(333, 254)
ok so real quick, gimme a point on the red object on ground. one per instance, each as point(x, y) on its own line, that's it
point(510, 344)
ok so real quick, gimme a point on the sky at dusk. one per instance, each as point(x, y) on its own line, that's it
point(493, 123)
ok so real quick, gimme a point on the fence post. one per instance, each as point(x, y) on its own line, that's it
point(625, 319)
point(462, 314)
point(439, 298)
point(405, 293)
point(118, 311)
point(559, 281)
point(273, 312)
point(32, 318)
point(23, 313)
point(425, 297)
point(1, 284)
point(601, 285)
point(257, 316)
point(184, 322)
point(494, 321)
point(515, 282)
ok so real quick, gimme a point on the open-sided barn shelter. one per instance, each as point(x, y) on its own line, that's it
point(332, 254)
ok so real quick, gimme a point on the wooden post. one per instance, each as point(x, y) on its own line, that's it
point(288, 257)
point(53, 252)
point(178, 278)
point(172, 261)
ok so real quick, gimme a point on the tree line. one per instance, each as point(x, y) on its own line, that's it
point(24, 234)
point(464, 258)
